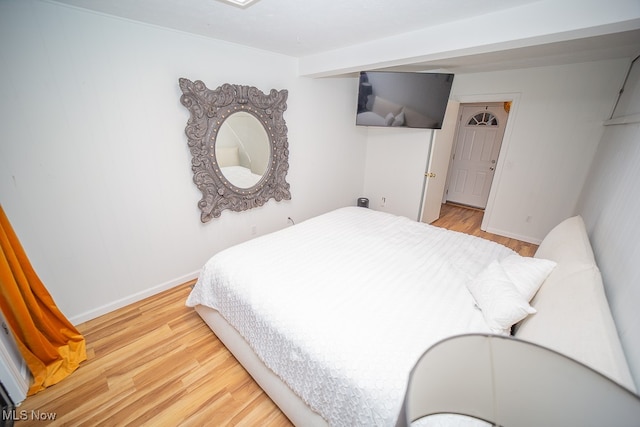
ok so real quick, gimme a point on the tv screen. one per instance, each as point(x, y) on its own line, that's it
point(400, 99)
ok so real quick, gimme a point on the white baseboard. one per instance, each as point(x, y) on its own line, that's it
point(513, 236)
point(107, 308)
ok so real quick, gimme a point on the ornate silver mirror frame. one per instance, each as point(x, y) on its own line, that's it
point(209, 109)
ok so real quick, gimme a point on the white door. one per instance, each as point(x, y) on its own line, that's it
point(13, 369)
point(475, 156)
point(436, 173)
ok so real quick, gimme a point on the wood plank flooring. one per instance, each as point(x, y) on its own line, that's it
point(468, 220)
point(157, 363)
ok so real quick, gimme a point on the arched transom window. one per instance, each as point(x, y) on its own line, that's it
point(484, 118)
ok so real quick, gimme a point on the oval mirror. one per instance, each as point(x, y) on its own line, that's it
point(237, 136)
point(243, 150)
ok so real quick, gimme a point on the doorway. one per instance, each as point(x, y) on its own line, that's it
point(477, 142)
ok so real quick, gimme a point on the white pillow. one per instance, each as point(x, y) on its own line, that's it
point(501, 303)
point(388, 120)
point(526, 273)
point(382, 107)
point(398, 120)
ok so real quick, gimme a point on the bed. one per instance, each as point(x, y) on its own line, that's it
point(382, 112)
point(240, 176)
point(232, 169)
point(329, 316)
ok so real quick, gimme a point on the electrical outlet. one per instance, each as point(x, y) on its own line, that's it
point(383, 202)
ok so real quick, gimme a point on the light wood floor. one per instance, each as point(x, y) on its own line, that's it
point(156, 363)
point(468, 220)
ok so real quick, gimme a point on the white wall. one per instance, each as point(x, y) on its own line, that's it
point(554, 131)
point(552, 134)
point(95, 172)
point(395, 165)
point(610, 207)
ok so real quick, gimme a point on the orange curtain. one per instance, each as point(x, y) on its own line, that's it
point(52, 347)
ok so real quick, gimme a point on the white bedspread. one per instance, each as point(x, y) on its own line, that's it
point(341, 306)
point(240, 176)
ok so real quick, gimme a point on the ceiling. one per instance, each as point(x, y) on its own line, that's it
point(302, 28)
point(296, 27)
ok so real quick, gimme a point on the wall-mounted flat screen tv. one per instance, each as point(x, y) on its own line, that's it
point(401, 99)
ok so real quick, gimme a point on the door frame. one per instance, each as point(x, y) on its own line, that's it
point(459, 125)
point(514, 98)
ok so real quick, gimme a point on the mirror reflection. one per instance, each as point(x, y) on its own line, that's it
point(237, 136)
point(242, 149)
